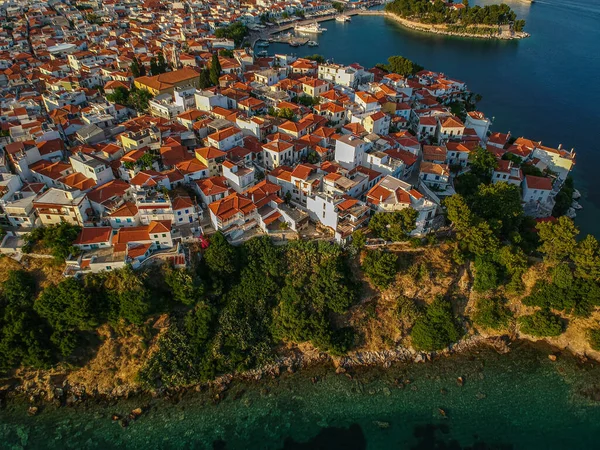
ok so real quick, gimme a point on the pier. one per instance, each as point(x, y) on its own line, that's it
point(267, 33)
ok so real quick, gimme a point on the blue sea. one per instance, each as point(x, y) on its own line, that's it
point(519, 400)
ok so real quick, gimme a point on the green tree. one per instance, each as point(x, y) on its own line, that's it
point(394, 226)
point(119, 95)
point(593, 335)
point(500, 206)
point(317, 58)
point(137, 69)
point(486, 275)
point(359, 240)
point(286, 113)
point(185, 287)
point(23, 333)
point(57, 238)
point(221, 260)
point(215, 70)
point(474, 234)
point(587, 259)
point(482, 163)
point(542, 323)
point(402, 66)
point(205, 81)
point(153, 66)
point(492, 313)
point(128, 297)
point(161, 63)
point(437, 328)
point(380, 267)
point(69, 309)
point(558, 239)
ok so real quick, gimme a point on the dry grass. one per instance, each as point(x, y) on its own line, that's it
point(45, 270)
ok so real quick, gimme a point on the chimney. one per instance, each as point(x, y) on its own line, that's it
point(560, 146)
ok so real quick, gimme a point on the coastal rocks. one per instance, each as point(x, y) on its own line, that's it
point(135, 413)
point(381, 424)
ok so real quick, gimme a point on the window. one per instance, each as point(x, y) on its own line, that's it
point(108, 267)
point(164, 235)
point(179, 213)
point(47, 217)
point(323, 214)
point(118, 220)
point(187, 211)
point(128, 220)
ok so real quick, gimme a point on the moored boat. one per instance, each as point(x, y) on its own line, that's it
point(313, 28)
point(342, 18)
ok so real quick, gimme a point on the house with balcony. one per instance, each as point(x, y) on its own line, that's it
point(92, 167)
point(392, 194)
point(212, 189)
point(437, 177)
point(212, 158)
point(58, 205)
point(239, 174)
point(507, 172)
point(226, 138)
point(153, 206)
point(341, 214)
point(233, 215)
point(277, 153)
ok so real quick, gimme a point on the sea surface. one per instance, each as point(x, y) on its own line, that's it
point(519, 400)
point(544, 87)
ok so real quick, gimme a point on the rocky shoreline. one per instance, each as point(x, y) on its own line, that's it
point(438, 29)
point(64, 394)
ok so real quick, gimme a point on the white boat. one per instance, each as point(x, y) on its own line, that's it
point(312, 44)
point(576, 205)
point(342, 18)
point(571, 214)
point(313, 28)
point(576, 194)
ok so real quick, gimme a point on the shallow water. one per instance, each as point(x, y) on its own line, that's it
point(517, 400)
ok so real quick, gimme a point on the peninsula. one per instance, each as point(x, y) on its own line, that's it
point(457, 19)
point(178, 210)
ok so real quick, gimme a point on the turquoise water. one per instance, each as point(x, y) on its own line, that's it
point(519, 400)
point(544, 87)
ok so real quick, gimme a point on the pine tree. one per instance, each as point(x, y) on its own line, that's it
point(135, 68)
point(161, 64)
point(153, 66)
point(215, 69)
point(205, 79)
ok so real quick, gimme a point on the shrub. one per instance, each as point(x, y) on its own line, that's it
point(380, 267)
point(486, 275)
point(593, 335)
point(542, 323)
point(492, 313)
point(437, 328)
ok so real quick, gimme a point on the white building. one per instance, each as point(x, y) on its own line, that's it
point(480, 123)
point(92, 167)
point(349, 151)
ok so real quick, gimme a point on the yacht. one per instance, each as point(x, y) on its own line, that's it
point(313, 28)
point(342, 18)
point(312, 44)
